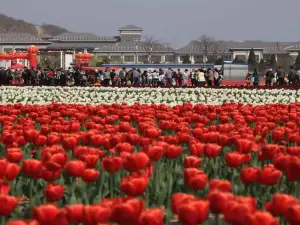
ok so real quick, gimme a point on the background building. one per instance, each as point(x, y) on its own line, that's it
point(130, 47)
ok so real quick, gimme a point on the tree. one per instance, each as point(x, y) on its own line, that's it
point(261, 65)
point(252, 59)
point(206, 42)
point(219, 61)
point(49, 61)
point(272, 62)
point(186, 59)
point(297, 62)
point(151, 45)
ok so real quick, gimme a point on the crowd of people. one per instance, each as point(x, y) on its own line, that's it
point(110, 77)
point(135, 77)
point(274, 77)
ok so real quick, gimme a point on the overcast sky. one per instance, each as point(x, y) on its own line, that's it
point(172, 21)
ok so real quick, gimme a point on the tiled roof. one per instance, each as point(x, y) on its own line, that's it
point(21, 38)
point(133, 47)
point(83, 37)
point(73, 45)
point(195, 47)
point(130, 27)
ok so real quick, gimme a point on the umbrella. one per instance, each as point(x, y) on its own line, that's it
point(17, 66)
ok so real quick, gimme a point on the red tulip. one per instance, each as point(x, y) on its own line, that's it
point(7, 205)
point(212, 150)
point(13, 171)
point(90, 175)
point(292, 215)
point(75, 168)
point(178, 199)
point(124, 147)
point(3, 167)
point(40, 140)
point(192, 162)
point(280, 204)
point(49, 214)
point(194, 212)
point(14, 155)
point(243, 146)
point(249, 175)
point(268, 175)
point(97, 214)
point(22, 222)
point(90, 160)
point(134, 185)
point(54, 192)
point(4, 187)
point(197, 149)
point(261, 218)
point(69, 143)
point(151, 216)
point(32, 168)
point(221, 185)
point(195, 178)
point(127, 212)
point(155, 153)
point(112, 163)
point(236, 212)
point(136, 162)
point(55, 162)
point(75, 213)
point(218, 200)
point(173, 151)
point(235, 159)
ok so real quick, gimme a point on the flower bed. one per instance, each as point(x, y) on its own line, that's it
point(170, 96)
point(149, 164)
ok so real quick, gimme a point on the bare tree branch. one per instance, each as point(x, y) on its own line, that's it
point(206, 42)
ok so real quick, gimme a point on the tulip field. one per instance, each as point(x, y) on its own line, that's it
point(150, 164)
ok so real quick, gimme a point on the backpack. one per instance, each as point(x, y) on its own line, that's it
point(122, 74)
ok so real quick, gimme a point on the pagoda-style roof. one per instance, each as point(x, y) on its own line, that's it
point(130, 28)
point(21, 38)
point(83, 37)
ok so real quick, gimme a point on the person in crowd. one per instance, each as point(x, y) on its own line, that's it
point(2, 76)
point(136, 77)
point(201, 78)
point(26, 76)
point(117, 80)
point(63, 78)
point(112, 77)
point(50, 77)
point(57, 75)
point(144, 77)
point(122, 75)
point(216, 77)
point(255, 76)
point(269, 77)
point(161, 79)
point(77, 77)
point(155, 79)
point(179, 77)
point(210, 77)
point(280, 76)
point(193, 79)
point(149, 80)
point(185, 77)
point(106, 77)
point(17, 77)
point(169, 75)
point(292, 76)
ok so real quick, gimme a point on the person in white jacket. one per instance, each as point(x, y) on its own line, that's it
point(185, 77)
point(154, 78)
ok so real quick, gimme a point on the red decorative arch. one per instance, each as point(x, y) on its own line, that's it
point(30, 55)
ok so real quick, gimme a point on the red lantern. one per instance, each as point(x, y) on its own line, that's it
point(32, 49)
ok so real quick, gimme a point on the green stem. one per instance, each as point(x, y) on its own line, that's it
point(30, 192)
point(3, 220)
point(217, 218)
point(111, 185)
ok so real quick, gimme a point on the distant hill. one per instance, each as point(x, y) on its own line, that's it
point(9, 24)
